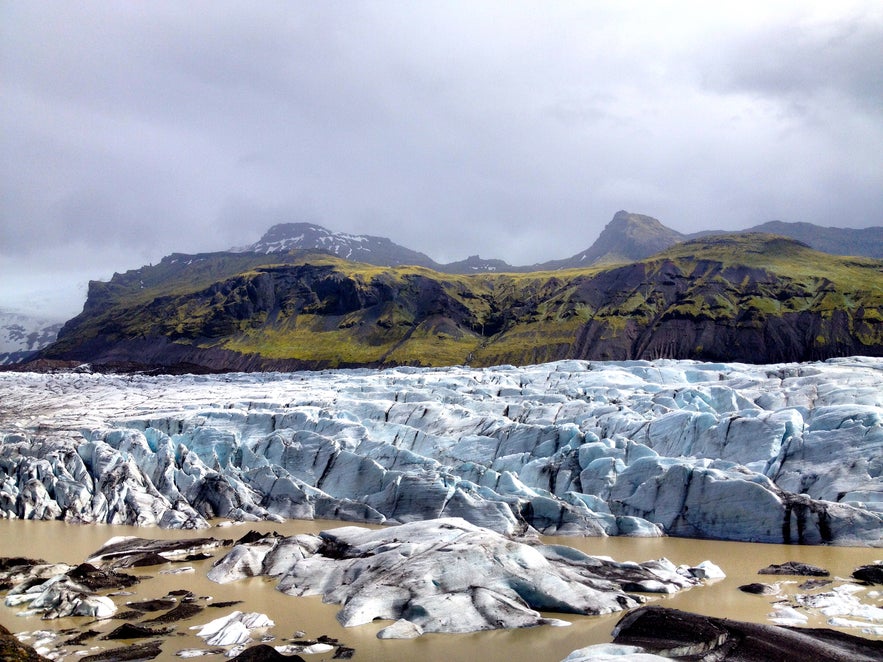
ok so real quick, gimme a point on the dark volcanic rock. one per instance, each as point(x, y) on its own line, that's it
point(794, 568)
point(265, 653)
point(128, 615)
point(682, 635)
point(225, 603)
point(182, 611)
point(758, 588)
point(9, 562)
point(145, 651)
point(811, 584)
point(153, 605)
point(132, 631)
point(254, 536)
point(12, 650)
point(96, 579)
point(872, 574)
point(80, 637)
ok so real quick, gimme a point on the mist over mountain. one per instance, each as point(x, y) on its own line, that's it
point(356, 248)
point(21, 335)
point(304, 296)
point(867, 242)
point(626, 238)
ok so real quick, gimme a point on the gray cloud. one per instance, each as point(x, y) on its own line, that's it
point(513, 130)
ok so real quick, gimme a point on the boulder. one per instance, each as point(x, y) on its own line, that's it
point(759, 588)
point(674, 633)
point(794, 568)
point(871, 574)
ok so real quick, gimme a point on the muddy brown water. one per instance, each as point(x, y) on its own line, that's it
point(70, 543)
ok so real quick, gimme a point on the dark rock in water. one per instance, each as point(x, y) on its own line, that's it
point(8, 562)
point(225, 603)
point(80, 637)
point(811, 584)
point(128, 615)
point(872, 574)
point(679, 634)
point(96, 579)
point(343, 653)
point(758, 588)
point(182, 611)
point(265, 653)
point(201, 556)
point(144, 560)
point(145, 651)
point(12, 650)
point(132, 631)
point(181, 593)
point(254, 536)
point(153, 605)
point(794, 568)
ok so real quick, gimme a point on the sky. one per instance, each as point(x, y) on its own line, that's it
point(512, 130)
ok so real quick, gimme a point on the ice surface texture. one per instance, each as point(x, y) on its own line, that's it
point(788, 452)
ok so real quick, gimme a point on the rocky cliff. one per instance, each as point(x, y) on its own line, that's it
point(752, 298)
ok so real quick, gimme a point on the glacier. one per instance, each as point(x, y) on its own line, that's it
point(761, 453)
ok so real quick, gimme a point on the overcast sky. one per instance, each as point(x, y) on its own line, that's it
point(509, 129)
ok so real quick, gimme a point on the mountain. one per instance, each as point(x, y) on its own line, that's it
point(626, 238)
point(629, 237)
point(755, 298)
point(22, 335)
point(354, 247)
point(475, 264)
point(867, 242)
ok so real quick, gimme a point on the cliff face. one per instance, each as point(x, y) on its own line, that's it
point(750, 298)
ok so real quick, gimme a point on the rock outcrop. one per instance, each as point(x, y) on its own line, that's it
point(674, 634)
point(12, 650)
point(746, 297)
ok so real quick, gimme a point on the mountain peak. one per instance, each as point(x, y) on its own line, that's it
point(284, 237)
point(626, 238)
point(632, 222)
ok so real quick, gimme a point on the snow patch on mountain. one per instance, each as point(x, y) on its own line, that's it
point(21, 335)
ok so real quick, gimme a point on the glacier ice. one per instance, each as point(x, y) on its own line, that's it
point(766, 453)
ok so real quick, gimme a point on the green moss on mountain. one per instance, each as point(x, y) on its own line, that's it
point(736, 297)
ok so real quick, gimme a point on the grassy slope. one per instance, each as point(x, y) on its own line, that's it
point(335, 313)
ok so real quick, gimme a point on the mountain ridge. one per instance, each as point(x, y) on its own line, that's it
point(626, 238)
point(752, 297)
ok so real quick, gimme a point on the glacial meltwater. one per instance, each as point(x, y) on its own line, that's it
point(308, 618)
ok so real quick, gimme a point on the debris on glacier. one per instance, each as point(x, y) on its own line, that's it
point(778, 453)
point(447, 575)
